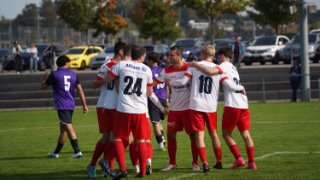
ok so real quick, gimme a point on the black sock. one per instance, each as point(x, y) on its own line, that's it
point(75, 145)
point(159, 138)
point(58, 148)
point(162, 133)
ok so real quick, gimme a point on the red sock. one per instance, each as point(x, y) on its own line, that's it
point(250, 153)
point(97, 153)
point(172, 149)
point(109, 154)
point(142, 150)
point(203, 155)
point(120, 154)
point(235, 151)
point(195, 152)
point(218, 154)
point(149, 148)
point(133, 154)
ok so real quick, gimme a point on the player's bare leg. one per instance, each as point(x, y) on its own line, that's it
point(227, 135)
point(73, 139)
point(249, 148)
point(157, 127)
point(61, 141)
point(201, 147)
point(216, 145)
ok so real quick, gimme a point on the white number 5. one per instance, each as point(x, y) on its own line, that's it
point(66, 83)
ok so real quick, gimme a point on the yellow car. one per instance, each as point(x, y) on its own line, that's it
point(80, 56)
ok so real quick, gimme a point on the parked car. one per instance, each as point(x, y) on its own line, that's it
point(292, 50)
point(161, 49)
point(315, 31)
point(102, 57)
point(265, 49)
point(80, 56)
point(6, 59)
point(44, 58)
point(190, 45)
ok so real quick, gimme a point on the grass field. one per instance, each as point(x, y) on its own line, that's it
point(286, 137)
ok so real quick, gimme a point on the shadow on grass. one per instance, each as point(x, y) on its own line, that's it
point(46, 176)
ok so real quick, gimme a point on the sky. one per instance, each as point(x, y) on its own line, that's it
point(11, 8)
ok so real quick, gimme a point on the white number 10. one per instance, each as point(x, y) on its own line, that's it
point(66, 83)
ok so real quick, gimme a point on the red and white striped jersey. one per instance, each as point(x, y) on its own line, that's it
point(133, 79)
point(233, 98)
point(180, 95)
point(108, 95)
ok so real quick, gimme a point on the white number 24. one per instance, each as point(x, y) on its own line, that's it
point(66, 83)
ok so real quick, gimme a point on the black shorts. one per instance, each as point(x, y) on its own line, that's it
point(155, 114)
point(65, 116)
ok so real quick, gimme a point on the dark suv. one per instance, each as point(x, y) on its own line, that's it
point(44, 60)
point(190, 45)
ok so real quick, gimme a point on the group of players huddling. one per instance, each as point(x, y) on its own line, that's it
point(134, 94)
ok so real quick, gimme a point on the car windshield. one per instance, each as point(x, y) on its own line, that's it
point(4, 52)
point(265, 41)
point(223, 43)
point(109, 50)
point(311, 39)
point(41, 48)
point(75, 51)
point(149, 48)
point(185, 43)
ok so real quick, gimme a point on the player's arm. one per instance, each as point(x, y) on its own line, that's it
point(208, 71)
point(82, 98)
point(97, 83)
point(156, 101)
point(47, 81)
point(232, 86)
point(109, 77)
point(180, 82)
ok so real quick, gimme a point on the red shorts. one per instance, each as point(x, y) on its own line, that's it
point(137, 123)
point(105, 119)
point(233, 117)
point(177, 120)
point(200, 119)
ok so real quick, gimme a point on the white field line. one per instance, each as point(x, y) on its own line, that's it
point(31, 128)
point(256, 158)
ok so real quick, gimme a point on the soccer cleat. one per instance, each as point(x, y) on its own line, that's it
point(120, 174)
point(218, 165)
point(53, 155)
point(169, 168)
point(195, 167)
point(140, 175)
point(136, 169)
point(205, 168)
point(238, 163)
point(106, 168)
point(252, 165)
point(91, 170)
point(77, 155)
point(149, 168)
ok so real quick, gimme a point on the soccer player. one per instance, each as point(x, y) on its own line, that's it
point(178, 117)
point(135, 84)
point(106, 107)
point(161, 92)
point(236, 111)
point(203, 104)
point(64, 82)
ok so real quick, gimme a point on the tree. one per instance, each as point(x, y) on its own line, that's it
point(77, 13)
point(48, 13)
point(155, 19)
point(28, 16)
point(106, 21)
point(215, 9)
point(265, 11)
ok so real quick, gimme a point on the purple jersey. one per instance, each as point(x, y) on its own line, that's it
point(159, 90)
point(63, 83)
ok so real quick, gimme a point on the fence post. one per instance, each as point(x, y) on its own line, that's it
point(263, 90)
point(319, 88)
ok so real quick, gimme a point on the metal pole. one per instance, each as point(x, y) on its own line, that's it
point(319, 88)
point(305, 70)
point(263, 90)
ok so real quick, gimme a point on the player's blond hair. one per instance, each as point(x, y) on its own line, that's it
point(208, 50)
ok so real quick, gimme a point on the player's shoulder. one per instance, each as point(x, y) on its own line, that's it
point(172, 69)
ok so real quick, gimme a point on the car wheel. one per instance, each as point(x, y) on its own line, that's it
point(82, 66)
point(276, 58)
point(263, 62)
point(315, 60)
point(247, 63)
point(94, 68)
point(287, 61)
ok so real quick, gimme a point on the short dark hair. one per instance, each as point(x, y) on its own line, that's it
point(118, 46)
point(178, 50)
point(226, 51)
point(137, 52)
point(153, 56)
point(62, 60)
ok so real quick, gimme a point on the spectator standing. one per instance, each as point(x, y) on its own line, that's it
point(51, 54)
point(16, 51)
point(295, 78)
point(64, 82)
point(238, 51)
point(34, 58)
